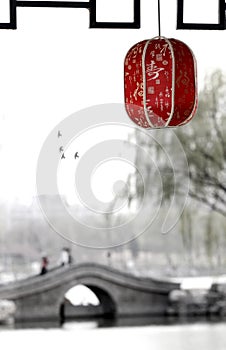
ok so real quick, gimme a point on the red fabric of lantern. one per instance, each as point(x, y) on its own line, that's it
point(160, 83)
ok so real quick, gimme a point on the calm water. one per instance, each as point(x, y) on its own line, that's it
point(87, 335)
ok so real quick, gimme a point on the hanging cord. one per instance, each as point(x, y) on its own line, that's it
point(159, 19)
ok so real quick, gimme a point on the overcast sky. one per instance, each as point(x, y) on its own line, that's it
point(53, 66)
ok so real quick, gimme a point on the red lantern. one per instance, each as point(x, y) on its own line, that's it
point(160, 83)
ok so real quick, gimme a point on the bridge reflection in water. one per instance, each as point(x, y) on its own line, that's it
point(41, 298)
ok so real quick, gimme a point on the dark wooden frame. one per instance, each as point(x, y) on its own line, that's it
point(90, 5)
point(211, 26)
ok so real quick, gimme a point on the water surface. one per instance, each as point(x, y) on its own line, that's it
point(88, 335)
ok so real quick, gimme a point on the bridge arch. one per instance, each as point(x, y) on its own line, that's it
point(107, 307)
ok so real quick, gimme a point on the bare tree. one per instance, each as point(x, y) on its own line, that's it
point(204, 142)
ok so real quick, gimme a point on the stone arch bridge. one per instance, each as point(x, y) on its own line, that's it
point(120, 293)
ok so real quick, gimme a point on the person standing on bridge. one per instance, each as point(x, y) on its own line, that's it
point(66, 258)
point(44, 265)
point(70, 259)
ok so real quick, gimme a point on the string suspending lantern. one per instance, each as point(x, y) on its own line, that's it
point(160, 82)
